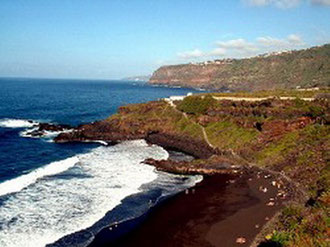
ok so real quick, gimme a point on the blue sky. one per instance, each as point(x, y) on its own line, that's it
point(105, 39)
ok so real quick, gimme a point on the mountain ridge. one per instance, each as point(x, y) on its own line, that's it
point(283, 70)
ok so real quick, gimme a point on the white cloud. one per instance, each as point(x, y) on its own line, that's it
point(239, 48)
point(295, 39)
point(284, 4)
point(289, 42)
point(218, 52)
point(257, 2)
point(237, 44)
point(321, 2)
point(191, 54)
point(269, 41)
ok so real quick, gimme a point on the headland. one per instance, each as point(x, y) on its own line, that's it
point(274, 149)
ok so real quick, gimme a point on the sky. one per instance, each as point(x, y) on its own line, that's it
point(111, 39)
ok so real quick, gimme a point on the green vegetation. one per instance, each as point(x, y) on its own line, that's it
point(227, 135)
point(196, 105)
point(155, 116)
point(189, 127)
point(277, 93)
point(276, 152)
point(304, 227)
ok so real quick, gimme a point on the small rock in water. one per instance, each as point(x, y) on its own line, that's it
point(241, 240)
point(257, 226)
point(270, 204)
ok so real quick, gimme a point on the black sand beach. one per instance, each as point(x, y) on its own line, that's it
point(219, 211)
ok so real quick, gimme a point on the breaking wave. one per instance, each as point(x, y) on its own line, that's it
point(17, 123)
point(19, 183)
point(70, 195)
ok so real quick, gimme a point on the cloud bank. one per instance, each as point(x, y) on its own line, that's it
point(238, 48)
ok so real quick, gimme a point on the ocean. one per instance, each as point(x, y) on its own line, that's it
point(64, 194)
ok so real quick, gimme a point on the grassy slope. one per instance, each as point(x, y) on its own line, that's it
point(276, 93)
point(156, 116)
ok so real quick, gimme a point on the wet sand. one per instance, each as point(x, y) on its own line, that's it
point(216, 212)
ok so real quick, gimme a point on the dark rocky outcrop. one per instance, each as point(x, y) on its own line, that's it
point(97, 131)
point(103, 131)
point(42, 128)
point(214, 165)
point(197, 148)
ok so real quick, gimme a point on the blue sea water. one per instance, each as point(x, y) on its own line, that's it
point(49, 190)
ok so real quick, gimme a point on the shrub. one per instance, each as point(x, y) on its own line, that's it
point(196, 105)
point(315, 111)
point(281, 238)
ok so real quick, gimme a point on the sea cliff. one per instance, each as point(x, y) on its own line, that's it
point(301, 68)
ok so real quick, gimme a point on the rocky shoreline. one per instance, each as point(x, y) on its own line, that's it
point(210, 161)
point(102, 131)
point(229, 138)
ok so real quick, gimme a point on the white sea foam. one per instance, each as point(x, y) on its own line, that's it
point(16, 123)
point(26, 132)
point(98, 141)
point(23, 181)
point(50, 207)
point(30, 126)
point(46, 134)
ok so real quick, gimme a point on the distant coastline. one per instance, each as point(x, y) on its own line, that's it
point(284, 70)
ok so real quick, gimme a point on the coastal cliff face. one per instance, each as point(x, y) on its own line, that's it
point(266, 133)
point(304, 68)
point(156, 122)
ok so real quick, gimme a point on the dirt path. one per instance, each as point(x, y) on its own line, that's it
point(170, 102)
point(206, 139)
